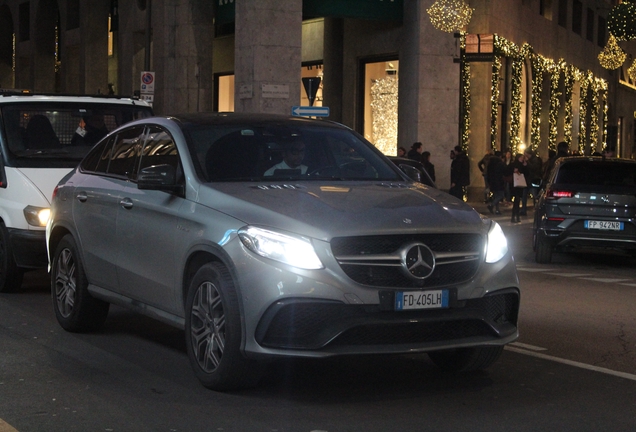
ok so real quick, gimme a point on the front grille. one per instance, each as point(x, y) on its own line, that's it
point(376, 260)
point(308, 324)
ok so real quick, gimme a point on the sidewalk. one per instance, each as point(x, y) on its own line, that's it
point(506, 212)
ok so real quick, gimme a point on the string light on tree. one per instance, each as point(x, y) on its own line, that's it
point(450, 15)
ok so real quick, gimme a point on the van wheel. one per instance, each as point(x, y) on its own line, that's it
point(542, 251)
point(75, 309)
point(213, 332)
point(466, 359)
point(10, 274)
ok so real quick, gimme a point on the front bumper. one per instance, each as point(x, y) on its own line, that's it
point(331, 327)
point(29, 247)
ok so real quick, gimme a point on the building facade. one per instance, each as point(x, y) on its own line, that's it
point(522, 73)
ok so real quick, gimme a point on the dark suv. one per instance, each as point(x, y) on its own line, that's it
point(586, 202)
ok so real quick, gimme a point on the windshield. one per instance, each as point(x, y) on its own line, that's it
point(46, 134)
point(280, 152)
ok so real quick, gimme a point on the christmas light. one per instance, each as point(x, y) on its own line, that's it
point(632, 71)
point(621, 21)
point(612, 56)
point(449, 15)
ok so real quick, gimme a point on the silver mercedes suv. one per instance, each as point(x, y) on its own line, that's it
point(266, 236)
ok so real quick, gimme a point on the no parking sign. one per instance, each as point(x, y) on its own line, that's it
point(147, 82)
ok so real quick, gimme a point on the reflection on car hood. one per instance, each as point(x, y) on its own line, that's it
point(326, 210)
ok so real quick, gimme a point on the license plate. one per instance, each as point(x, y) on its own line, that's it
point(409, 300)
point(604, 225)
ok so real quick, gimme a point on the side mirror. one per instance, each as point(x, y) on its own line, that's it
point(411, 172)
point(159, 177)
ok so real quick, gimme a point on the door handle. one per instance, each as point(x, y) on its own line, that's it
point(81, 196)
point(126, 203)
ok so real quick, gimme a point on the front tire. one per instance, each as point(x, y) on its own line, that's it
point(213, 332)
point(75, 309)
point(10, 274)
point(466, 359)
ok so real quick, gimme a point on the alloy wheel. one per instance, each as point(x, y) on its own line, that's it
point(207, 330)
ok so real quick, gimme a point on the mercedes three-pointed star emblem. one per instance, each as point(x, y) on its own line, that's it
point(418, 261)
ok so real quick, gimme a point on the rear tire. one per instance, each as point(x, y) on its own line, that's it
point(466, 359)
point(75, 309)
point(213, 332)
point(10, 274)
point(543, 251)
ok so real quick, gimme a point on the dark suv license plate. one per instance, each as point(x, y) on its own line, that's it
point(604, 225)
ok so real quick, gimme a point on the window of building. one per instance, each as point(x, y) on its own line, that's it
point(602, 31)
point(24, 20)
point(577, 16)
point(224, 93)
point(563, 13)
point(380, 105)
point(111, 45)
point(545, 9)
point(590, 25)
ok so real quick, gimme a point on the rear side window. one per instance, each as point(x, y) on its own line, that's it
point(601, 173)
point(39, 132)
point(118, 155)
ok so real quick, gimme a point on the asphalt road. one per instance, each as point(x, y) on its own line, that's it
point(573, 369)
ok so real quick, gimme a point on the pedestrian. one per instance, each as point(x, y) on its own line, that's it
point(507, 159)
point(460, 173)
point(483, 167)
point(428, 166)
point(562, 151)
point(519, 169)
point(401, 152)
point(535, 172)
point(416, 151)
point(495, 173)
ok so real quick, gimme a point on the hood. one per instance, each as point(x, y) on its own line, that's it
point(38, 183)
point(327, 210)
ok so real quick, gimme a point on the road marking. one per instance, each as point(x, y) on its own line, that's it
point(572, 363)
point(606, 280)
point(6, 427)
point(629, 284)
point(533, 270)
point(572, 274)
point(528, 347)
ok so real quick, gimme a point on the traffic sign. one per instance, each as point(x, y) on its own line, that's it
point(308, 111)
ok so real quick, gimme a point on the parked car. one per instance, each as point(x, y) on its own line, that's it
point(265, 236)
point(587, 202)
point(413, 169)
point(43, 137)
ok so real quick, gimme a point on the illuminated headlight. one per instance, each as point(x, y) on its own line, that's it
point(37, 216)
point(295, 251)
point(497, 245)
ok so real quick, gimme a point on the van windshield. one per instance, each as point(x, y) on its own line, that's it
point(39, 134)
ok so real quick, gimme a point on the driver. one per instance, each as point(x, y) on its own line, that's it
point(293, 154)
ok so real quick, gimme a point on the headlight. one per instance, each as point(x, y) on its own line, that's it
point(295, 251)
point(497, 245)
point(37, 216)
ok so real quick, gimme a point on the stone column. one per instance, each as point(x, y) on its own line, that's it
point(182, 33)
point(429, 89)
point(94, 43)
point(268, 38)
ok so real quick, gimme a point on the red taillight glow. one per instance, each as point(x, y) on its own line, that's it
point(54, 193)
point(559, 194)
point(556, 219)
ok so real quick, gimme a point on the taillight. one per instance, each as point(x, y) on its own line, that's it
point(54, 193)
point(556, 194)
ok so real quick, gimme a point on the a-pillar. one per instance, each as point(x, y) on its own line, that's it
point(268, 38)
point(428, 110)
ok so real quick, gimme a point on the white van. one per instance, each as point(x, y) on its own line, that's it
point(42, 137)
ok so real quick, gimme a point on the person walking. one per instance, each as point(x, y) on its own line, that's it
point(507, 159)
point(535, 172)
point(519, 170)
point(483, 167)
point(495, 173)
point(460, 173)
point(428, 166)
point(416, 151)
